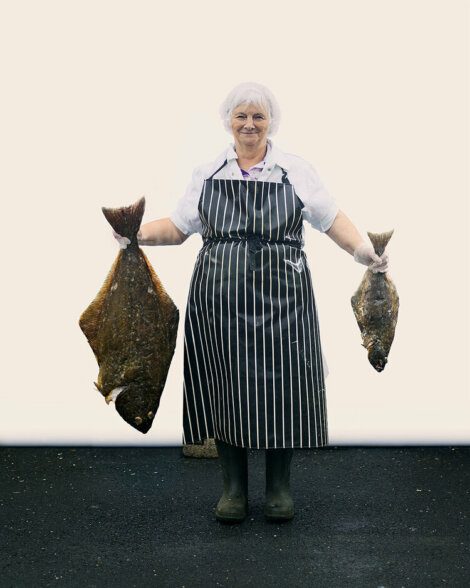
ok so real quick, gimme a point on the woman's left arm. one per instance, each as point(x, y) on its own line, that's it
point(344, 233)
point(319, 210)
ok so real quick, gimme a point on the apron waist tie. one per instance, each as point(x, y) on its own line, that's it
point(255, 244)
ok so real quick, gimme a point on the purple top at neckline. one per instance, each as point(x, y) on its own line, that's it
point(254, 171)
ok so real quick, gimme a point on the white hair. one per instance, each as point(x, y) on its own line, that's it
point(251, 93)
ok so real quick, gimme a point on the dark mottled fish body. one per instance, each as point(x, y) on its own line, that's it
point(131, 326)
point(375, 305)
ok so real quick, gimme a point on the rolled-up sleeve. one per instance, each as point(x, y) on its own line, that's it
point(320, 208)
point(186, 215)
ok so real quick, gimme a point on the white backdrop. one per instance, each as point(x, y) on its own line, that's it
point(105, 101)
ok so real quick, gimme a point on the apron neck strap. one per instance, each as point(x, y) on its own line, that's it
point(284, 177)
point(217, 170)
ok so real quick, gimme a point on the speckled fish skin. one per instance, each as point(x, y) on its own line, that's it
point(375, 305)
point(131, 326)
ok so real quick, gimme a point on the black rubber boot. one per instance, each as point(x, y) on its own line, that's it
point(233, 504)
point(279, 505)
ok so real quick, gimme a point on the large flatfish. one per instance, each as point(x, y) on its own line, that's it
point(375, 305)
point(131, 326)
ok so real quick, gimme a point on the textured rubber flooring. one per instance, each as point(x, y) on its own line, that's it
point(365, 516)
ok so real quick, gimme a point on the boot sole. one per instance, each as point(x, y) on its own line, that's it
point(230, 519)
point(278, 516)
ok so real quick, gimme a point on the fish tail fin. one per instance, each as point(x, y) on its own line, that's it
point(126, 220)
point(380, 241)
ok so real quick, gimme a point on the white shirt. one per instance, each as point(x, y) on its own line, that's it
point(320, 209)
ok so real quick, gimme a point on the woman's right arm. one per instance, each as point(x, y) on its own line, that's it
point(162, 231)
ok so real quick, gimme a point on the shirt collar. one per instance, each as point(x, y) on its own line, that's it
point(273, 155)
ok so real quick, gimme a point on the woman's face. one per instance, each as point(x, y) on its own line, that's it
point(250, 125)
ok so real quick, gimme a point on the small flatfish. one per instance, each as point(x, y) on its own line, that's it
point(375, 305)
point(131, 326)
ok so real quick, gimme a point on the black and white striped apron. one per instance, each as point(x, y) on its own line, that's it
point(253, 369)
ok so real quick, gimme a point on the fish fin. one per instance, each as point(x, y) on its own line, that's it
point(380, 240)
point(357, 306)
point(90, 319)
point(171, 310)
point(127, 219)
point(154, 278)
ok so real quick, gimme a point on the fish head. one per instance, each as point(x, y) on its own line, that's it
point(137, 405)
point(377, 357)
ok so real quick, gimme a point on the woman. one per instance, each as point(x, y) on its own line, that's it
point(253, 366)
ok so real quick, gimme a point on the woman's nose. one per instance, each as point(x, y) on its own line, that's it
point(249, 123)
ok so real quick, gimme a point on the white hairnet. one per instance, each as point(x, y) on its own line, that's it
point(251, 93)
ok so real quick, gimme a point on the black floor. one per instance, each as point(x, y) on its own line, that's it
point(365, 516)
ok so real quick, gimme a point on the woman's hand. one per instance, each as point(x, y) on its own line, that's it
point(345, 234)
point(159, 232)
point(365, 254)
point(124, 241)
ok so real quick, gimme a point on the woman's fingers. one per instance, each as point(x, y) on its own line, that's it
point(366, 255)
point(380, 265)
point(123, 241)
